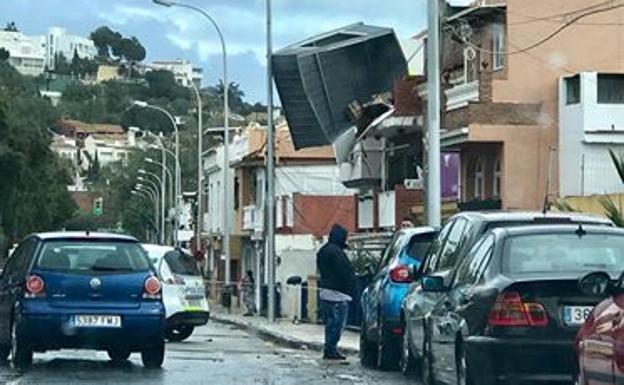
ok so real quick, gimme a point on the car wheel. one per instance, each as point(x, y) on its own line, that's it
point(407, 361)
point(21, 353)
point(153, 356)
point(463, 376)
point(368, 350)
point(425, 370)
point(118, 355)
point(179, 333)
point(389, 350)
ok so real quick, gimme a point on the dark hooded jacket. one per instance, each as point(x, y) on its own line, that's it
point(336, 270)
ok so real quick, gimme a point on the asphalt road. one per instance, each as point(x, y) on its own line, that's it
point(215, 354)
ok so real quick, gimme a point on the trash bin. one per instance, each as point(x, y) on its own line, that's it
point(226, 296)
point(264, 293)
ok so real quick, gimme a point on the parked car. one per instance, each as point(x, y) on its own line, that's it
point(81, 291)
point(381, 327)
point(511, 312)
point(184, 292)
point(600, 341)
point(458, 235)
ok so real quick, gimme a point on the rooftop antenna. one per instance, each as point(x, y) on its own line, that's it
point(546, 205)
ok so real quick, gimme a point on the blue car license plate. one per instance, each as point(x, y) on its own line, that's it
point(97, 321)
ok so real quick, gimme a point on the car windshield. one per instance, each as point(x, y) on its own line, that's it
point(182, 263)
point(567, 253)
point(419, 245)
point(89, 257)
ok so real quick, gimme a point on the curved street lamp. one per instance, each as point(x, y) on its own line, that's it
point(161, 182)
point(226, 134)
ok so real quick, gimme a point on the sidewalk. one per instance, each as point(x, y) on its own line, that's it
point(302, 336)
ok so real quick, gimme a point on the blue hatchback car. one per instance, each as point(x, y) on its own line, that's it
point(81, 291)
point(381, 329)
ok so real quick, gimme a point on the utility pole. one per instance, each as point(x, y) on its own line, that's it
point(270, 199)
point(433, 114)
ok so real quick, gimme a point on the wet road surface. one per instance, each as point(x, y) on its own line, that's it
point(215, 354)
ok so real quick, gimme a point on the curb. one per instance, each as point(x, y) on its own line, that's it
point(276, 337)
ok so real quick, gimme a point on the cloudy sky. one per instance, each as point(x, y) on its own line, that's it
point(170, 33)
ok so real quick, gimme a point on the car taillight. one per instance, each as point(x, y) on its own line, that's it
point(151, 288)
point(510, 310)
point(400, 273)
point(35, 287)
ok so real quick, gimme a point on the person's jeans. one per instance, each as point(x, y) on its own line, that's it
point(335, 315)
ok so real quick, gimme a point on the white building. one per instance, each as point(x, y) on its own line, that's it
point(182, 70)
point(27, 53)
point(58, 41)
point(591, 121)
point(80, 142)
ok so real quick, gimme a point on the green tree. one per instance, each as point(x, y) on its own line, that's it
point(613, 209)
point(61, 65)
point(33, 180)
point(104, 40)
point(132, 50)
point(4, 54)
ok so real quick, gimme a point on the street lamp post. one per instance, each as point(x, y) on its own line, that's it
point(163, 194)
point(226, 135)
point(148, 198)
point(168, 176)
point(270, 201)
point(154, 197)
point(142, 104)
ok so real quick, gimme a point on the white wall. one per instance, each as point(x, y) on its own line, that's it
point(586, 132)
point(309, 180)
point(213, 168)
point(27, 52)
point(59, 41)
point(298, 258)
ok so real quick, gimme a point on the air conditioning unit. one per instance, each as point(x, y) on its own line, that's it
point(413, 184)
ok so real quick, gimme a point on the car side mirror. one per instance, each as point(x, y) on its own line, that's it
point(433, 284)
point(597, 284)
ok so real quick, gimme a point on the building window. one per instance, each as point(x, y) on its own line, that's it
point(573, 89)
point(611, 88)
point(498, 46)
point(496, 188)
point(478, 179)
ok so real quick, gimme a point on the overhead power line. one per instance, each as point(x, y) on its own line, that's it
point(543, 40)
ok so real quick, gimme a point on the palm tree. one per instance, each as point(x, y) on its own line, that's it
point(613, 210)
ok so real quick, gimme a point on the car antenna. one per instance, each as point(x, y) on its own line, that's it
point(580, 231)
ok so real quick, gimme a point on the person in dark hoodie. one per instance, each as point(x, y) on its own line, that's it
point(336, 288)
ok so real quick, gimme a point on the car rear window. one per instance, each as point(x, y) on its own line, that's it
point(86, 256)
point(419, 245)
point(543, 253)
point(182, 263)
